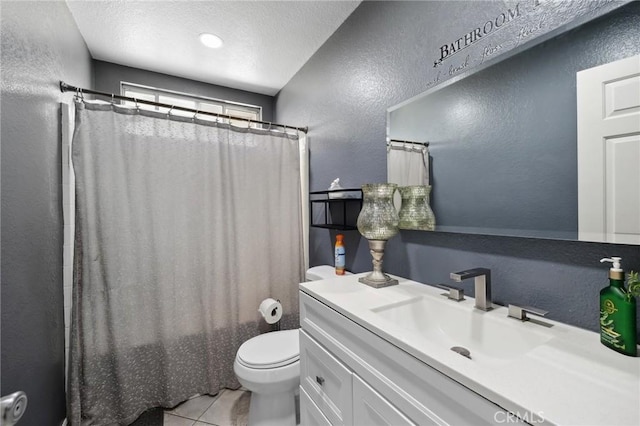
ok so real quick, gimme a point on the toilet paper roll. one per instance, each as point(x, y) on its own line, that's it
point(271, 310)
point(13, 407)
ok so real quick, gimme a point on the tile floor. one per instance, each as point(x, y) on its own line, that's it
point(228, 408)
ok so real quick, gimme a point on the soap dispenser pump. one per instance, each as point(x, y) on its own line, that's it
point(617, 313)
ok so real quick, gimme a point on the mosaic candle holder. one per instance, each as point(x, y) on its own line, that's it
point(415, 212)
point(377, 222)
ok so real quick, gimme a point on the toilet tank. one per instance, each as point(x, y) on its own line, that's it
point(322, 272)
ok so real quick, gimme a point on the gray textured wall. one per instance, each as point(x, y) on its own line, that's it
point(40, 46)
point(108, 76)
point(382, 55)
point(503, 140)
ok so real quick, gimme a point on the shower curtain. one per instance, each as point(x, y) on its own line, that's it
point(183, 226)
point(407, 164)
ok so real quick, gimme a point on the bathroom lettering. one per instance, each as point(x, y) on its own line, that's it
point(526, 31)
point(465, 64)
point(476, 34)
point(490, 50)
point(434, 81)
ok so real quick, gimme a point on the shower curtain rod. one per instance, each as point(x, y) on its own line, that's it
point(409, 142)
point(64, 87)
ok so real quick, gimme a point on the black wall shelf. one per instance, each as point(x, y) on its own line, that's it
point(338, 208)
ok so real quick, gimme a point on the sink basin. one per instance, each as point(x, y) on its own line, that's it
point(488, 336)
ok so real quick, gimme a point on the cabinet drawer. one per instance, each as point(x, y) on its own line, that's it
point(371, 409)
point(310, 414)
point(326, 380)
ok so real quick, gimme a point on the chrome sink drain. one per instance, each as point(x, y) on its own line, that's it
point(462, 351)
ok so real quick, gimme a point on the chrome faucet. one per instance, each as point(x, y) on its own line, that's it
point(482, 281)
point(520, 312)
point(453, 293)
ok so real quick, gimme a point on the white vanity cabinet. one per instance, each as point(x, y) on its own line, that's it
point(372, 409)
point(351, 376)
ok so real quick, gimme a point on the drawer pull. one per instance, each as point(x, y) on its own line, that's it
point(320, 380)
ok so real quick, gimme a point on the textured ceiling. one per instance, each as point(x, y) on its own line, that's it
point(265, 42)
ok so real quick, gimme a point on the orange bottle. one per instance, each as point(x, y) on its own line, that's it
point(339, 255)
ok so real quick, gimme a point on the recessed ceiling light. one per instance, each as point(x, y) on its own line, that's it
point(210, 40)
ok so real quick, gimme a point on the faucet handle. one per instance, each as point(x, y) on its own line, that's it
point(454, 293)
point(520, 312)
point(469, 273)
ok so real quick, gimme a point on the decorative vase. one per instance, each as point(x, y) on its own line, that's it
point(415, 212)
point(377, 222)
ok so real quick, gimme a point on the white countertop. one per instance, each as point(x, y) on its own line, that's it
point(570, 379)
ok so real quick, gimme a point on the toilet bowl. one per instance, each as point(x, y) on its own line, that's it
point(269, 366)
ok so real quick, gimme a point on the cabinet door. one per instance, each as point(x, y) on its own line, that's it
point(371, 409)
point(326, 380)
point(310, 414)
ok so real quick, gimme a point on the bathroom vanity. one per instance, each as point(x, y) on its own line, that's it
point(384, 357)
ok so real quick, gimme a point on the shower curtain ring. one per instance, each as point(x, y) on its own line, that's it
point(169, 112)
point(195, 115)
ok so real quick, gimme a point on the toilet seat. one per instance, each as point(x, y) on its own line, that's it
point(270, 350)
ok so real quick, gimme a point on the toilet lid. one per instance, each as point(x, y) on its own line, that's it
point(270, 350)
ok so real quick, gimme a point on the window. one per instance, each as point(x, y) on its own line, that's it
point(200, 103)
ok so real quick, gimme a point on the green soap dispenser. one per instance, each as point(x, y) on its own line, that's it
point(617, 313)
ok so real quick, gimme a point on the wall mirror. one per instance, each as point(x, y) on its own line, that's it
point(503, 140)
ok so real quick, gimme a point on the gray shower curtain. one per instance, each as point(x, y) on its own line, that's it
point(182, 228)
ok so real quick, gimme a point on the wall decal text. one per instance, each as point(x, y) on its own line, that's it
point(475, 35)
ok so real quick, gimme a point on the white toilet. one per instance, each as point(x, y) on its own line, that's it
point(269, 366)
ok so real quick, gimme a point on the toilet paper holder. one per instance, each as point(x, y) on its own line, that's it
point(271, 311)
point(276, 325)
point(274, 311)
